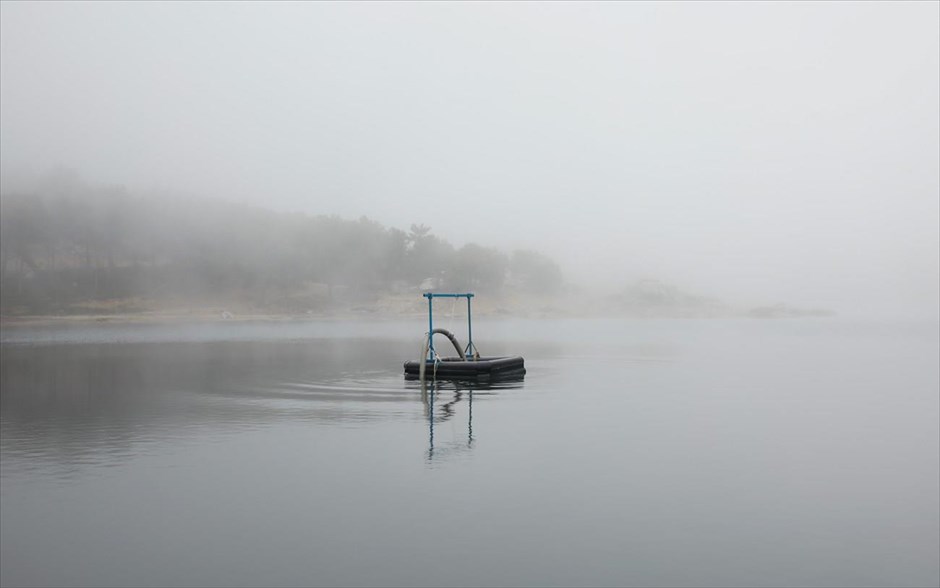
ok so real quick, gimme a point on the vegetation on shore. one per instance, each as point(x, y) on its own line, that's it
point(67, 247)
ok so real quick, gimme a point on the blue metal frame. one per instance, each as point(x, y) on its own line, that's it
point(471, 349)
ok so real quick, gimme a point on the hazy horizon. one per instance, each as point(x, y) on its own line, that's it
point(754, 152)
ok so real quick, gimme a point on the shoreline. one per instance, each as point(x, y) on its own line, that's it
point(395, 308)
point(25, 321)
point(183, 317)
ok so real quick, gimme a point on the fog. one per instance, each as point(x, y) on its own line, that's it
point(753, 152)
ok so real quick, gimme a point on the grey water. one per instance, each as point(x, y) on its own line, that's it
point(797, 452)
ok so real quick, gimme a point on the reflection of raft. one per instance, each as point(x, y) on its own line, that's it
point(456, 368)
point(468, 365)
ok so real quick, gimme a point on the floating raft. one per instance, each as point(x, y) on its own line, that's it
point(455, 368)
point(468, 365)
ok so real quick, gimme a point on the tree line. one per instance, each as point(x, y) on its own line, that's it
point(66, 242)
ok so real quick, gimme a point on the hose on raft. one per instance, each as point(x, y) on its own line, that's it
point(422, 363)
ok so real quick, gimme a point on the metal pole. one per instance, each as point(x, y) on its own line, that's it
point(470, 347)
point(430, 326)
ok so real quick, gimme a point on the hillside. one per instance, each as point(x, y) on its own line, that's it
point(68, 247)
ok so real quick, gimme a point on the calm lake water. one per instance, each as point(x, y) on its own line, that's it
point(635, 453)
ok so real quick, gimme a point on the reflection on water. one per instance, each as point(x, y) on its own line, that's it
point(94, 403)
point(66, 402)
point(442, 401)
point(445, 411)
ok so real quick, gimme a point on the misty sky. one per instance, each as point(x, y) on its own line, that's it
point(759, 152)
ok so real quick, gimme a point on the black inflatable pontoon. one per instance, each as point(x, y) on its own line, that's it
point(455, 368)
point(468, 365)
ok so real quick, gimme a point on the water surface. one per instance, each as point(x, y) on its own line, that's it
point(645, 452)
